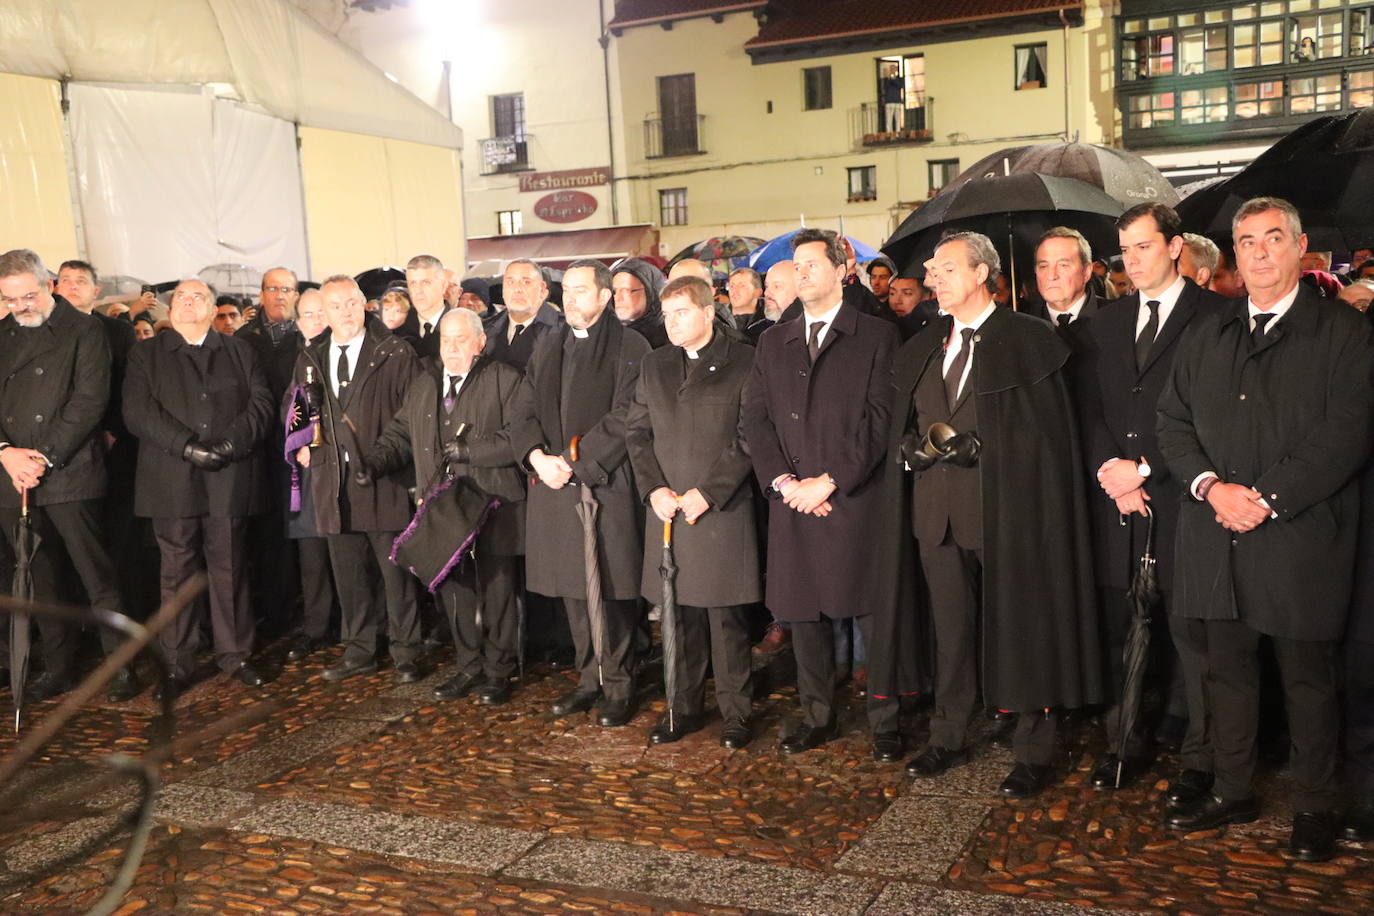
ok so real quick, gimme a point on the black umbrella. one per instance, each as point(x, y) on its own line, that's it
point(1144, 597)
point(1127, 178)
point(587, 510)
point(1325, 168)
point(26, 544)
point(377, 280)
point(670, 634)
point(1012, 209)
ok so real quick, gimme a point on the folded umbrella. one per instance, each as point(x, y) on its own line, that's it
point(1144, 597)
point(26, 544)
point(669, 621)
point(587, 510)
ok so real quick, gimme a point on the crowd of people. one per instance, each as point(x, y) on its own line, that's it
point(888, 462)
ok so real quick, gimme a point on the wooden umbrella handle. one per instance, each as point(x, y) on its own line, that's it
point(572, 448)
point(668, 533)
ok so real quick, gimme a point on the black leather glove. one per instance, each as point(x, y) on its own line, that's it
point(914, 454)
point(223, 448)
point(202, 457)
point(363, 474)
point(456, 451)
point(963, 450)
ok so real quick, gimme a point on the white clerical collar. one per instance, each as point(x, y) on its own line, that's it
point(579, 333)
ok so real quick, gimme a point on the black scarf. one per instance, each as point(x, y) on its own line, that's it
point(581, 381)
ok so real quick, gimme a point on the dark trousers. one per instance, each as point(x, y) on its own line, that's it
point(616, 677)
point(1232, 682)
point(1189, 637)
point(317, 587)
point(217, 547)
point(75, 528)
point(953, 574)
point(359, 559)
point(546, 631)
point(724, 631)
point(488, 646)
point(813, 645)
point(1359, 716)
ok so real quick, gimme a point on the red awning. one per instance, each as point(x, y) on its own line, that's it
point(556, 249)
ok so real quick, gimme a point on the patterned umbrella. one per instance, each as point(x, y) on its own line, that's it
point(780, 249)
point(722, 252)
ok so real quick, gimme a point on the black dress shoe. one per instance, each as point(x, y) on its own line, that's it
point(408, 673)
point(1116, 773)
point(934, 760)
point(808, 737)
point(578, 700)
point(457, 687)
point(304, 646)
point(1026, 780)
point(1189, 788)
point(1314, 836)
point(123, 686)
point(47, 686)
point(1003, 731)
point(494, 693)
point(735, 733)
point(887, 747)
point(681, 726)
point(1214, 812)
point(346, 669)
point(249, 676)
point(615, 713)
point(1358, 824)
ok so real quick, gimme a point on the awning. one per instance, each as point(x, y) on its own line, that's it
point(558, 249)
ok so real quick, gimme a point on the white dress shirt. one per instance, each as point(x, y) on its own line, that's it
point(1072, 311)
point(449, 375)
point(824, 321)
point(1167, 300)
point(956, 343)
point(524, 325)
point(354, 349)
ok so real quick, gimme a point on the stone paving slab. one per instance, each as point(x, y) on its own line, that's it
point(382, 709)
point(202, 806)
point(48, 849)
point(275, 757)
point(683, 876)
point(917, 838)
point(470, 847)
point(903, 899)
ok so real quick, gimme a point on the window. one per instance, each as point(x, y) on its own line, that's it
point(1259, 100)
point(508, 115)
point(863, 183)
point(1147, 56)
point(1203, 50)
point(1314, 37)
point(509, 222)
point(1361, 33)
point(1030, 67)
point(677, 104)
point(815, 88)
point(1259, 44)
point(672, 207)
point(901, 93)
point(1153, 109)
point(1204, 106)
point(1361, 86)
point(941, 172)
point(1315, 93)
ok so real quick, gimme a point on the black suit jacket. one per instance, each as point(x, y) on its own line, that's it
point(1075, 333)
point(1117, 406)
point(518, 354)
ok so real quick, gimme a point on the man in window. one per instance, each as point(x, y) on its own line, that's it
point(894, 110)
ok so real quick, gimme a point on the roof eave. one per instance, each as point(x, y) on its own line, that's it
point(619, 25)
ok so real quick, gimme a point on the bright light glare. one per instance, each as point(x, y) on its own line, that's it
point(448, 15)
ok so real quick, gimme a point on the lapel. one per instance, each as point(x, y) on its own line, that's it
point(971, 380)
point(35, 342)
point(1300, 318)
point(845, 323)
point(1183, 312)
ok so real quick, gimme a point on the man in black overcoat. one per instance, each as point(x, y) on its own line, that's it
point(456, 422)
point(365, 373)
point(815, 416)
point(1063, 265)
point(999, 512)
point(199, 403)
point(692, 469)
point(1267, 420)
point(1131, 347)
point(513, 332)
point(582, 378)
point(54, 388)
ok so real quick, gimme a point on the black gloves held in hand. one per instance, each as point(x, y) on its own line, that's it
point(962, 451)
point(914, 453)
point(456, 451)
point(922, 452)
point(207, 456)
point(363, 474)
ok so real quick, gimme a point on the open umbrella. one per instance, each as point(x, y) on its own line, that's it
point(26, 544)
point(587, 510)
point(1125, 177)
point(669, 621)
point(1325, 168)
point(722, 253)
point(377, 280)
point(1144, 597)
point(233, 278)
point(780, 249)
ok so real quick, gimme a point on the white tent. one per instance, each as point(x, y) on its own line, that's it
point(158, 137)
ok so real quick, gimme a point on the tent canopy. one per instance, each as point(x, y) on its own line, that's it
point(264, 52)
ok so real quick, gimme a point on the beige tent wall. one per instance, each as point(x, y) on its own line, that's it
point(35, 196)
point(371, 201)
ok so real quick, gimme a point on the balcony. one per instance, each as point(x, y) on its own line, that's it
point(667, 137)
point(867, 127)
point(505, 154)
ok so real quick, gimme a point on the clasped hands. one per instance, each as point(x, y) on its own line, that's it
point(554, 472)
point(26, 466)
point(1238, 507)
point(809, 496)
point(1120, 479)
point(209, 456)
point(667, 504)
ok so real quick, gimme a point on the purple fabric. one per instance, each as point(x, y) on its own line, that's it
point(296, 440)
point(493, 503)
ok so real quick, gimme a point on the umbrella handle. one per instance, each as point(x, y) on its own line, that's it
point(24, 503)
point(668, 533)
point(573, 448)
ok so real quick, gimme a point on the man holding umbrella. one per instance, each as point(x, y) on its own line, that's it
point(691, 466)
point(54, 387)
point(582, 377)
point(1266, 420)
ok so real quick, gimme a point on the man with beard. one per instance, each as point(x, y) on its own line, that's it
point(636, 284)
point(364, 372)
point(54, 387)
point(996, 378)
point(880, 274)
point(691, 464)
point(815, 415)
point(582, 378)
point(513, 332)
point(456, 422)
point(199, 403)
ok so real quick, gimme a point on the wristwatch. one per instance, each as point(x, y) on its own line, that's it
point(1142, 468)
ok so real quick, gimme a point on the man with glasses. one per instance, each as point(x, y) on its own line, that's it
point(199, 403)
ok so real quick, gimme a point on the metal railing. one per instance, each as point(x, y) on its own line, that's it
point(505, 154)
point(869, 126)
point(664, 137)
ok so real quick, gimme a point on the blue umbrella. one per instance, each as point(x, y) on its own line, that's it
point(780, 249)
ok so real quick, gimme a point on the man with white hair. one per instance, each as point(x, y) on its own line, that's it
point(1199, 258)
point(363, 373)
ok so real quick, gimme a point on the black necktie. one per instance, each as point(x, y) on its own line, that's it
point(1146, 339)
point(342, 372)
point(1063, 319)
point(425, 329)
point(955, 375)
point(518, 329)
point(1257, 335)
point(453, 382)
point(813, 342)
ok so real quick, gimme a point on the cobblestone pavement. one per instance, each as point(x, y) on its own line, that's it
point(366, 797)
